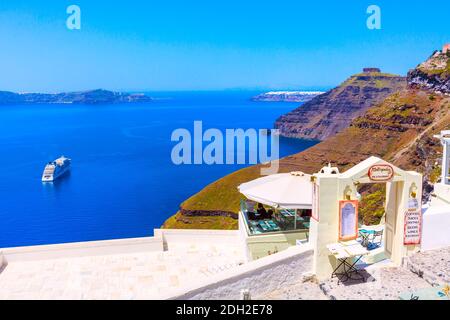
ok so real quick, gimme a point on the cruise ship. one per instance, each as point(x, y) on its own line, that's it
point(55, 169)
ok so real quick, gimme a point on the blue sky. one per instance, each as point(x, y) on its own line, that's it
point(210, 45)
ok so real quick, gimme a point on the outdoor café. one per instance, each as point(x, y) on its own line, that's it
point(276, 209)
point(321, 211)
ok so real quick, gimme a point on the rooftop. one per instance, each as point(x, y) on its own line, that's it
point(189, 262)
point(138, 275)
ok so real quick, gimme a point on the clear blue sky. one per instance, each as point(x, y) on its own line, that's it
point(208, 45)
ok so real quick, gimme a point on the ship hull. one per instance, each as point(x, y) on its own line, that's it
point(56, 169)
point(57, 175)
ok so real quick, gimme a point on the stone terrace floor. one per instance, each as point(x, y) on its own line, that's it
point(308, 290)
point(434, 266)
point(153, 275)
point(383, 281)
point(144, 275)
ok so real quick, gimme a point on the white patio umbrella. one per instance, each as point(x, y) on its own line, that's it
point(283, 190)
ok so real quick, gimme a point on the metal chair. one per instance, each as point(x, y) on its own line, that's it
point(374, 243)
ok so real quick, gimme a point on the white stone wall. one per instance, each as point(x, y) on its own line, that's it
point(82, 249)
point(259, 277)
point(161, 238)
point(441, 195)
point(197, 235)
point(435, 228)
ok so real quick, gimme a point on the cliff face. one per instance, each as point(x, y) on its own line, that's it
point(333, 111)
point(399, 129)
point(433, 74)
point(83, 97)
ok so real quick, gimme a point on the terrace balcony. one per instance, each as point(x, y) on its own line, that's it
point(283, 220)
point(265, 236)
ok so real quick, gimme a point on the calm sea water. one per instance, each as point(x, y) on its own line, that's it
point(122, 183)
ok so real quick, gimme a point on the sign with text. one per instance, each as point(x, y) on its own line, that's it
point(381, 172)
point(413, 223)
point(348, 219)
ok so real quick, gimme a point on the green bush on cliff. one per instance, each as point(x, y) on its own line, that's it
point(371, 206)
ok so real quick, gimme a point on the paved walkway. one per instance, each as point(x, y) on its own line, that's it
point(153, 275)
point(386, 282)
point(144, 275)
point(383, 281)
point(308, 290)
point(433, 266)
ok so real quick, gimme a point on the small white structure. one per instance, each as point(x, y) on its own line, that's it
point(329, 170)
point(335, 208)
point(441, 194)
point(436, 226)
point(436, 218)
point(446, 48)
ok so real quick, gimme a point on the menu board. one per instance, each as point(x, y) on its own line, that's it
point(413, 223)
point(348, 219)
point(315, 202)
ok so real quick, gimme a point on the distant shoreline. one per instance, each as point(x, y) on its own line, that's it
point(287, 96)
point(98, 96)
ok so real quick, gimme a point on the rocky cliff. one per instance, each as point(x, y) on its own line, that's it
point(329, 113)
point(82, 97)
point(399, 129)
point(433, 74)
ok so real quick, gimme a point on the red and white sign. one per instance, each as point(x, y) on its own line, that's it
point(413, 223)
point(381, 172)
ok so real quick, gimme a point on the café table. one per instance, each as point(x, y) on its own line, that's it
point(268, 225)
point(347, 255)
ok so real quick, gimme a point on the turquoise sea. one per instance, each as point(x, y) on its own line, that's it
point(122, 183)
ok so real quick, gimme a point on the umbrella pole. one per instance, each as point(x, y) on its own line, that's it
point(295, 220)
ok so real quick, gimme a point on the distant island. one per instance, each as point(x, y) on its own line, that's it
point(287, 96)
point(98, 96)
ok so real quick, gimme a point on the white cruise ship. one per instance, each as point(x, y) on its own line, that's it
point(55, 169)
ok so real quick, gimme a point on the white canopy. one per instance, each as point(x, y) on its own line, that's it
point(284, 190)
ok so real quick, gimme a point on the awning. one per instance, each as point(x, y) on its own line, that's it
point(284, 190)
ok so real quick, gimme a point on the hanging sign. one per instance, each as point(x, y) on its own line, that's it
point(315, 202)
point(348, 219)
point(381, 172)
point(413, 223)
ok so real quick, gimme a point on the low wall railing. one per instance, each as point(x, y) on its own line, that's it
point(81, 249)
point(259, 277)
